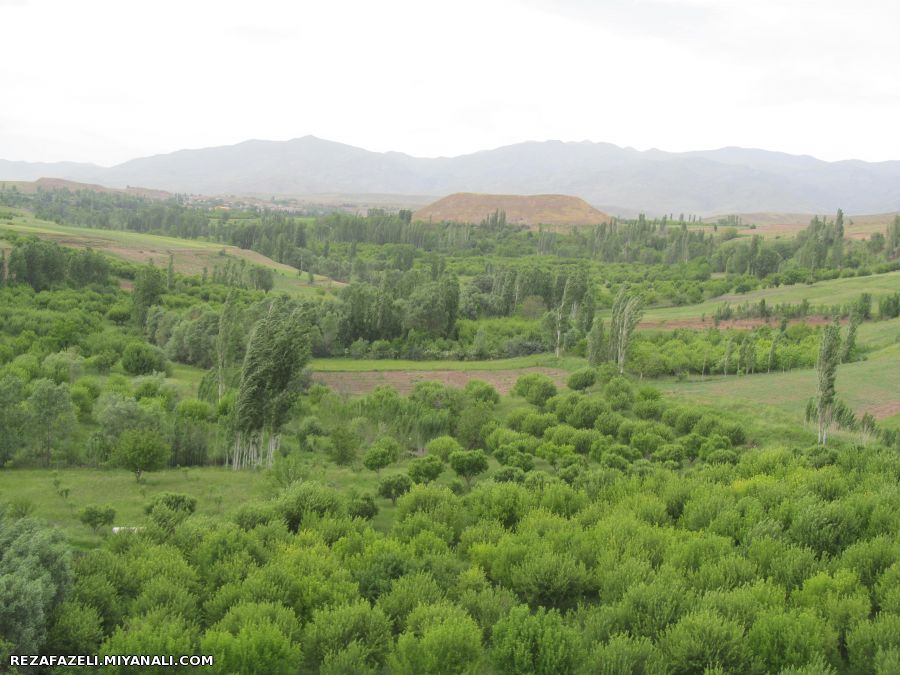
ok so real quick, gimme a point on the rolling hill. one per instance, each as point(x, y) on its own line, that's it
point(614, 179)
point(469, 207)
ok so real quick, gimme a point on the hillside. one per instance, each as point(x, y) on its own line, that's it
point(29, 187)
point(469, 207)
point(771, 224)
point(615, 179)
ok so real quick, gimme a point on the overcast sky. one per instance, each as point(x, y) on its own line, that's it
point(107, 80)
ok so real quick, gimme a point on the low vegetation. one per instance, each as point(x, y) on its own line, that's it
point(182, 469)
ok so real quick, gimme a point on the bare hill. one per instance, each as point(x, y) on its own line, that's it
point(532, 210)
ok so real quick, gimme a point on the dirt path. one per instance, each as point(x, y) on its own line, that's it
point(404, 380)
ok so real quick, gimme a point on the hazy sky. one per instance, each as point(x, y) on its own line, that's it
point(108, 80)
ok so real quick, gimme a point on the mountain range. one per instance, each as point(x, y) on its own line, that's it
point(621, 181)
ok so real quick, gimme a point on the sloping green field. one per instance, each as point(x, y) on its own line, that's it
point(190, 255)
point(872, 385)
point(831, 292)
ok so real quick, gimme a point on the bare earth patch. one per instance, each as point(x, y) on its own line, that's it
point(404, 380)
point(696, 323)
point(887, 409)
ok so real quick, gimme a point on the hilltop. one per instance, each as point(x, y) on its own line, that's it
point(470, 207)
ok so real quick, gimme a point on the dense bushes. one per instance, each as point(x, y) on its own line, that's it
point(620, 571)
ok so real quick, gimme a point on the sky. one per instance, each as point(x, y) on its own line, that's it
point(104, 81)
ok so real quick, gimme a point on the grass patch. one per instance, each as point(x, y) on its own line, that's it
point(831, 292)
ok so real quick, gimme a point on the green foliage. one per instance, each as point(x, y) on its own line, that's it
point(333, 629)
point(140, 452)
point(425, 469)
point(582, 379)
point(535, 388)
point(393, 487)
point(35, 575)
point(440, 638)
point(468, 463)
point(139, 358)
point(442, 447)
point(96, 517)
point(539, 643)
point(703, 640)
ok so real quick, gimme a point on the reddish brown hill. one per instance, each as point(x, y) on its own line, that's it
point(531, 210)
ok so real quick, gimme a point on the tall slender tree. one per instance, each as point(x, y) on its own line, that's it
point(826, 373)
point(627, 311)
point(277, 352)
point(596, 343)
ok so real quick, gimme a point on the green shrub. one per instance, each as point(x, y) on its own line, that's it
point(582, 379)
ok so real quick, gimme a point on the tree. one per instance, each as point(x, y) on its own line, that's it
point(393, 487)
point(139, 358)
point(277, 352)
point(141, 451)
point(52, 416)
point(377, 457)
point(826, 372)
point(170, 273)
point(442, 446)
point(155, 632)
point(334, 628)
point(704, 640)
point(535, 388)
point(539, 643)
point(597, 347)
point(440, 639)
point(726, 358)
point(13, 417)
point(468, 464)
point(425, 469)
point(226, 340)
point(627, 311)
point(773, 351)
point(96, 517)
point(35, 575)
point(582, 379)
point(148, 289)
point(847, 352)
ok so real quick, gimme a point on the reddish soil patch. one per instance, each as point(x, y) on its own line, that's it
point(695, 323)
point(404, 380)
point(126, 284)
point(888, 409)
point(532, 210)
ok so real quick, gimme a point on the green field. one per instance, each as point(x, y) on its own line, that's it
point(831, 292)
point(866, 386)
point(219, 491)
point(189, 255)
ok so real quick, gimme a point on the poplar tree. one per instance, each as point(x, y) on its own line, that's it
point(170, 273)
point(225, 338)
point(627, 311)
point(277, 352)
point(826, 372)
point(596, 343)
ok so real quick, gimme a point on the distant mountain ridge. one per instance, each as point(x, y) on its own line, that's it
point(613, 179)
